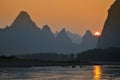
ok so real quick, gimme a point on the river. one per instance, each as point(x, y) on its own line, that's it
point(96, 72)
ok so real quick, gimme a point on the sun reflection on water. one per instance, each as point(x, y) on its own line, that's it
point(97, 72)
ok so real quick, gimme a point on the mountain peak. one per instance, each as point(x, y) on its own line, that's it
point(22, 18)
point(46, 28)
point(63, 30)
point(62, 36)
point(88, 41)
point(23, 12)
point(88, 33)
point(24, 22)
point(47, 32)
point(23, 15)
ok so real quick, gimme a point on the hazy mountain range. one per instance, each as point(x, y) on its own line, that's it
point(88, 41)
point(76, 38)
point(24, 36)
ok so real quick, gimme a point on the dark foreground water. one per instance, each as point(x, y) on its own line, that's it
point(106, 72)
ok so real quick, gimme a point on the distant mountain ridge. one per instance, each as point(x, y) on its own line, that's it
point(24, 36)
point(88, 41)
point(74, 37)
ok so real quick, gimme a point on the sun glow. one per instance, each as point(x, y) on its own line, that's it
point(97, 33)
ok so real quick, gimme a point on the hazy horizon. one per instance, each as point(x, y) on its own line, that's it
point(76, 16)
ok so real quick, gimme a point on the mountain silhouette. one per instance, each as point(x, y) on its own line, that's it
point(74, 37)
point(21, 37)
point(88, 41)
point(63, 37)
point(47, 33)
point(110, 35)
point(49, 40)
point(64, 43)
point(23, 22)
point(24, 36)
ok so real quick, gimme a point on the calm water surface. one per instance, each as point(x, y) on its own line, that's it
point(96, 72)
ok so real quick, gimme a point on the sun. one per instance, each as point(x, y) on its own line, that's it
point(97, 33)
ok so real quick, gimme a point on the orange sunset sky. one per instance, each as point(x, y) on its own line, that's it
point(75, 15)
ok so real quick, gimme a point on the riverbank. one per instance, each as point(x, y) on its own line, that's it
point(37, 63)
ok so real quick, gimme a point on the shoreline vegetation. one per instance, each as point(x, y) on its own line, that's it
point(108, 56)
